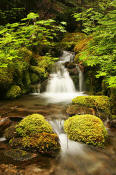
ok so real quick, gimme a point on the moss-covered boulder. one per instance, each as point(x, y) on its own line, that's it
point(99, 104)
point(45, 143)
point(13, 92)
point(32, 125)
point(36, 134)
point(86, 128)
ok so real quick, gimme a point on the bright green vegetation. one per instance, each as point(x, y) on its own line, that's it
point(100, 51)
point(86, 128)
point(13, 92)
point(32, 125)
point(26, 52)
point(33, 133)
point(101, 104)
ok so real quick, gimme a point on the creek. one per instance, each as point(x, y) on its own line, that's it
point(74, 158)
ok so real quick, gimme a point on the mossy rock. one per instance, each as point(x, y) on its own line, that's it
point(101, 104)
point(74, 109)
point(10, 132)
point(25, 54)
point(13, 92)
point(45, 143)
point(86, 128)
point(32, 125)
point(35, 134)
point(34, 78)
point(19, 155)
point(5, 76)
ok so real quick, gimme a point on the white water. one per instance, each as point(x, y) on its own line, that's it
point(67, 146)
point(81, 79)
point(60, 87)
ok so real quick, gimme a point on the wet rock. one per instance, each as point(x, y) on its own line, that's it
point(36, 134)
point(10, 170)
point(99, 104)
point(19, 155)
point(10, 132)
point(80, 110)
point(4, 122)
point(73, 71)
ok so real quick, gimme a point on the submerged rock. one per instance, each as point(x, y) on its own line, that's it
point(86, 128)
point(19, 155)
point(98, 105)
point(13, 92)
point(36, 134)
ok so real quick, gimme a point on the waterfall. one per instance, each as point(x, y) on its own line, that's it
point(60, 87)
point(60, 80)
point(81, 79)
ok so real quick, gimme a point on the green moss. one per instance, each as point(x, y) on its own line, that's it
point(86, 128)
point(25, 54)
point(13, 92)
point(34, 78)
point(32, 125)
point(6, 77)
point(39, 70)
point(113, 117)
point(98, 102)
point(36, 134)
point(10, 132)
point(44, 142)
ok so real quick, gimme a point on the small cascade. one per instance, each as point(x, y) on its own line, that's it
point(67, 146)
point(60, 81)
point(81, 79)
point(60, 87)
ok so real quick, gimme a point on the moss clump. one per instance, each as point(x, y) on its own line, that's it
point(43, 142)
point(32, 125)
point(99, 103)
point(113, 117)
point(34, 78)
point(36, 134)
point(86, 128)
point(13, 92)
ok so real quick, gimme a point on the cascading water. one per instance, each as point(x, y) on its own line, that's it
point(67, 145)
point(60, 81)
point(81, 79)
point(60, 87)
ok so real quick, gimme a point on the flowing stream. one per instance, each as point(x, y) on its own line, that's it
point(74, 158)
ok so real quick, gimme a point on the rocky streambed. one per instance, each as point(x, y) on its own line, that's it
point(74, 158)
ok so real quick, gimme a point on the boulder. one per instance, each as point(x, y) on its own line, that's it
point(98, 105)
point(34, 133)
point(86, 128)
